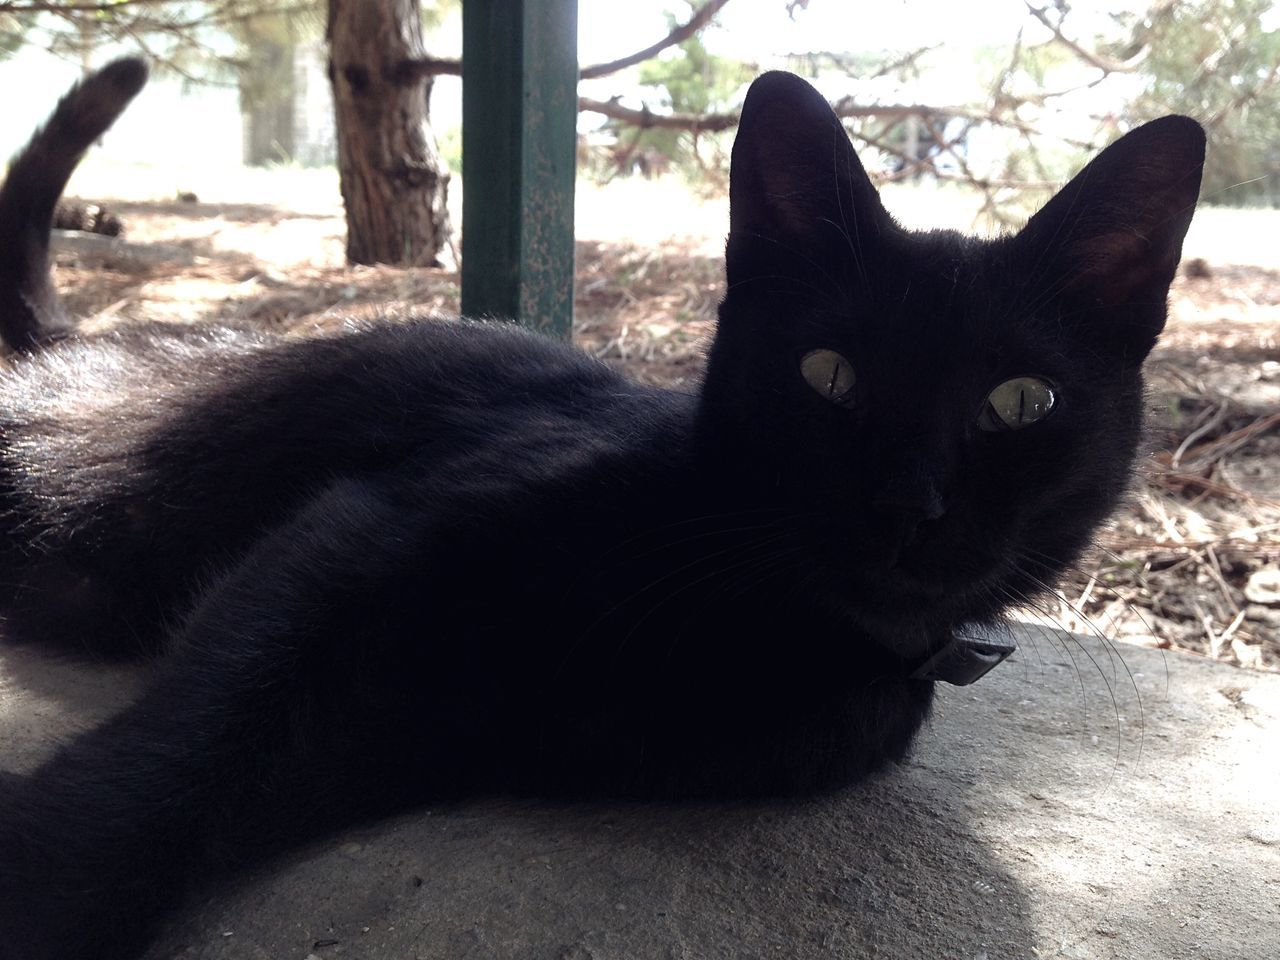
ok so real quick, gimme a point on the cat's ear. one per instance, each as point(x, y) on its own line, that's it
point(1112, 237)
point(795, 184)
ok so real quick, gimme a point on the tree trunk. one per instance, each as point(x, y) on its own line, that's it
point(394, 183)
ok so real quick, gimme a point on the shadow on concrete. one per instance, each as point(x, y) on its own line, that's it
point(881, 871)
point(1075, 803)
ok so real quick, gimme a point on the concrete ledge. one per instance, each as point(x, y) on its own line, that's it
point(1080, 802)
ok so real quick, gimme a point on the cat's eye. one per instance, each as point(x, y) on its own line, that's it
point(1017, 403)
point(830, 374)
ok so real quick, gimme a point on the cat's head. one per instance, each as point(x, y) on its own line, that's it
point(948, 418)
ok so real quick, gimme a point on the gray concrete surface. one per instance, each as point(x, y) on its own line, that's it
point(1080, 802)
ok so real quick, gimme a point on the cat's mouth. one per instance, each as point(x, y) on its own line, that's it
point(945, 573)
point(928, 571)
point(908, 607)
point(922, 587)
point(925, 558)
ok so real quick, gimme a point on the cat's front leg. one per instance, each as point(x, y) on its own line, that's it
point(282, 714)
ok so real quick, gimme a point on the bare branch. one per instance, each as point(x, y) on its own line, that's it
point(432, 66)
point(48, 6)
point(1105, 64)
point(910, 165)
point(845, 108)
point(135, 12)
point(646, 119)
point(851, 64)
point(680, 34)
point(712, 122)
point(429, 67)
point(409, 71)
point(906, 60)
point(221, 17)
point(1247, 95)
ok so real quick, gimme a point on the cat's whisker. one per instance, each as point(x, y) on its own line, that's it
point(1002, 599)
point(1048, 563)
point(1049, 630)
point(1057, 638)
point(1035, 633)
point(1114, 656)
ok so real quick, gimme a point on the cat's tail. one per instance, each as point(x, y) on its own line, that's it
point(30, 311)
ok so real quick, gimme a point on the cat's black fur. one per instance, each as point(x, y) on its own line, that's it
point(30, 312)
point(430, 559)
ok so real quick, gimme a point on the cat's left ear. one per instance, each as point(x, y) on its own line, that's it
point(1112, 237)
point(796, 187)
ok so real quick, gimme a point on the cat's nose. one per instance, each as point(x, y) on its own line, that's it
point(911, 506)
point(905, 516)
point(912, 498)
point(905, 527)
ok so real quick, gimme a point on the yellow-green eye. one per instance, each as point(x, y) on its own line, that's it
point(830, 374)
point(1017, 403)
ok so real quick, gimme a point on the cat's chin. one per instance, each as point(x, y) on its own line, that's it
point(920, 596)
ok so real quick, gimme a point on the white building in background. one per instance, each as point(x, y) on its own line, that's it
point(172, 122)
point(315, 142)
point(175, 122)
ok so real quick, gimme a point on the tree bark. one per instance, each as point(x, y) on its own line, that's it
point(394, 184)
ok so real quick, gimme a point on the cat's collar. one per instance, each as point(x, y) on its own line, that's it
point(966, 657)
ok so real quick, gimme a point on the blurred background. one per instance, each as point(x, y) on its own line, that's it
point(220, 193)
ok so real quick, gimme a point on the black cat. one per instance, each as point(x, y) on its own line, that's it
point(435, 559)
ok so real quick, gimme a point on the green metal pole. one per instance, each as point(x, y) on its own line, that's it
point(519, 149)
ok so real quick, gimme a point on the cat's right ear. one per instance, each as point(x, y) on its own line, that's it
point(1110, 240)
point(796, 187)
